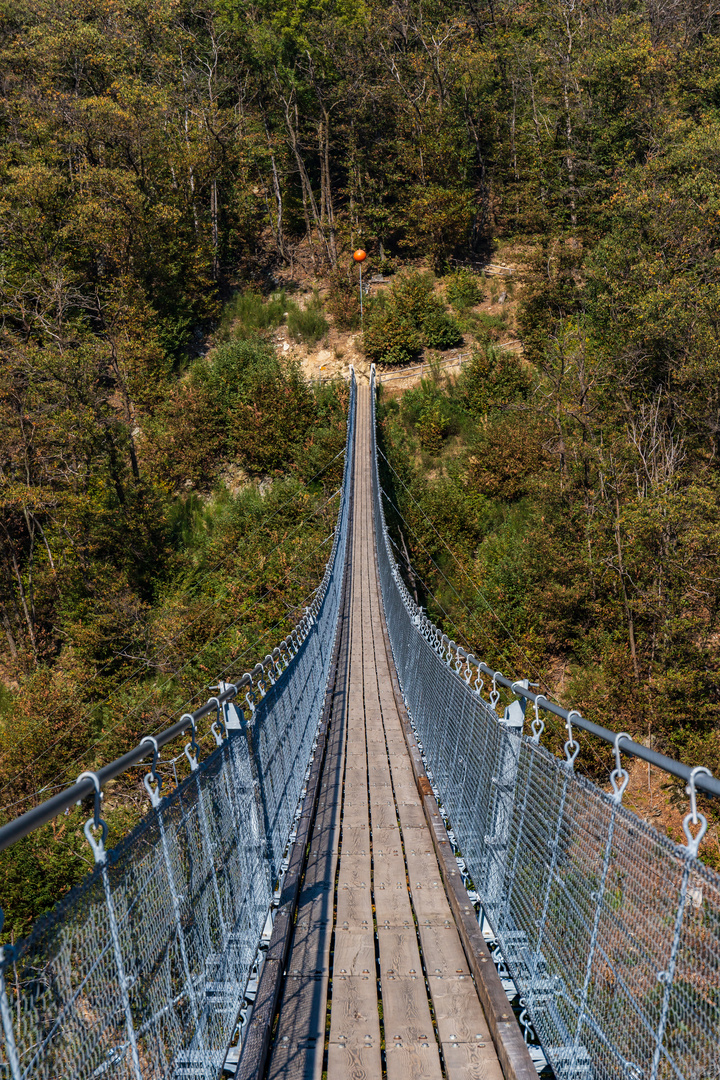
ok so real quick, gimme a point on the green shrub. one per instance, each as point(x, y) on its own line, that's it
point(412, 295)
point(307, 324)
point(431, 427)
point(270, 426)
point(441, 331)
point(238, 365)
point(408, 317)
point(462, 289)
point(343, 301)
point(390, 338)
point(507, 454)
point(492, 381)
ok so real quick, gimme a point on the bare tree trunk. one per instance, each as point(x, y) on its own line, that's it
point(277, 191)
point(214, 222)
point(328, 199)
point(191, 176)
point(21, 594)
point(292, 123)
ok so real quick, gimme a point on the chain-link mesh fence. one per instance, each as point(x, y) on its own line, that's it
point(140, 972)
point(610, 931)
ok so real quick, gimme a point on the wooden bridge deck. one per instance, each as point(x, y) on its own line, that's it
point(377, 982)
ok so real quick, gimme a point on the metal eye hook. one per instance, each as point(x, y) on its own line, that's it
point(495, 693)
point(619, 777)
point(538, 725)
point(95, 822)
point(270, 663)
point(191, 749)
point(694, 817)
point(215, 726)
point(250, 702)
point(572, 747)
point(154, 793)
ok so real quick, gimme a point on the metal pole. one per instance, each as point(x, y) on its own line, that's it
point(361, 299)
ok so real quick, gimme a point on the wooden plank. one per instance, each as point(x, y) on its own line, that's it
point(408, 1026)
point(310, 954)
point(399, 954)
point(355, 1016)
point(429, 900)
point(300, 1036)
point(354, 1062)
point(386, 841)
point(392, 903)
point(389, 866)
point(353, 907)
point(354, 872)
point(413, 1061)
point(411, 815)
point(358, 814)
point(467, 1061)
point(354, 952)
point(458, 1013)
point(355, 839)
point(384, 815)
point(442, 950)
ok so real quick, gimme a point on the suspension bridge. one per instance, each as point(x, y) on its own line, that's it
point(374, 874)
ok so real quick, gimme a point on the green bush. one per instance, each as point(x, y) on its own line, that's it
point(441, 331)
point(390, 338)
point(409, 317)
point(462, 289)
point(431, 427)
point(307, 324)
point(412, 294)
point(237, 367)
point(492, 381)
point(271, 425)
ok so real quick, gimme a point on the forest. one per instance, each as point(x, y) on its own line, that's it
point(171, 170)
